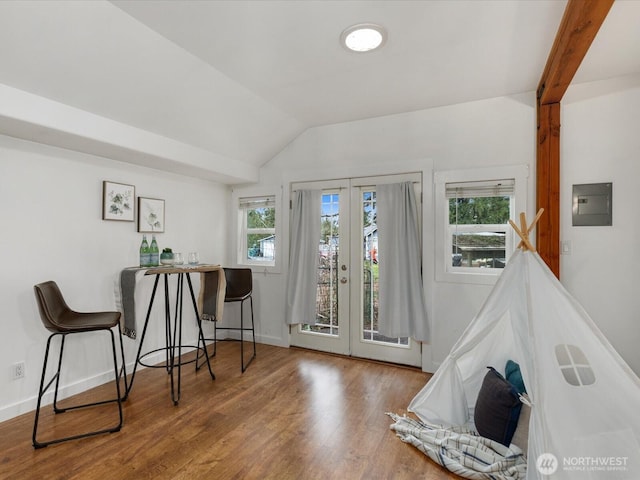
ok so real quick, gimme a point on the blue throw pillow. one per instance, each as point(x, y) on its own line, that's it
point(514, 376)
point(497, 408)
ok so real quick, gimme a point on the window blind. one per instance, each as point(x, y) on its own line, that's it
point(250, 203)
point(492, 188)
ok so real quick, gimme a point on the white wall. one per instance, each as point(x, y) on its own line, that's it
point(600, 142)
point(50, 201)
point(50, 212)
point(499, 131)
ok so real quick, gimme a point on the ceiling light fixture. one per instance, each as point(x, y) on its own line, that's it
point(363, 37)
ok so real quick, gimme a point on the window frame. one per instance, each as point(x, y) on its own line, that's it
point(457, 229)
point(487, 276)
point(240, 217)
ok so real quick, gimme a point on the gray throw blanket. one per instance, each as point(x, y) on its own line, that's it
point(211, 297)
point(127, 291)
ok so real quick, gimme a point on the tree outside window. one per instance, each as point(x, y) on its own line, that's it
point(259, 230)
point(479, 213)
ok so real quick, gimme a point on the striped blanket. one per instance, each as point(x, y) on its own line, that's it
point(462, 451)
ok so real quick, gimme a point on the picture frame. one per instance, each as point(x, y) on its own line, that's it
point(118, 201)
point(150, 215)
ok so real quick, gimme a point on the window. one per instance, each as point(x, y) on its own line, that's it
point(257, 226)
point(473, 237)
point(478, 223)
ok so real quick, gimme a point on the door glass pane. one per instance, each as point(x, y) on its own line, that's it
point(370, 272)
point(328, 250)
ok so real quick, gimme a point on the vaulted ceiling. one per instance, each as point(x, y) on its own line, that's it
point(217, 88)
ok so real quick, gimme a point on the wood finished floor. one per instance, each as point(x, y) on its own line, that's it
point(294, 414)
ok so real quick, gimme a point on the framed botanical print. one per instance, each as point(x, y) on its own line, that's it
point(118, 201)
point(150, 215)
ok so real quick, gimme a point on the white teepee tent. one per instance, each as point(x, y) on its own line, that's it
point(585, 398)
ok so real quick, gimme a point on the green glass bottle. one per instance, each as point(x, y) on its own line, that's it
point(154, 252)
point(145, 253)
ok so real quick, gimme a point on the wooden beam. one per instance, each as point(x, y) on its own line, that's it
point(548, 185)
point(580, 24)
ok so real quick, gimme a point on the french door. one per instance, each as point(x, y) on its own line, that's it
point(348, 276)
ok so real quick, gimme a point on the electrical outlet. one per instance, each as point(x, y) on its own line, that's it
point(18, 370)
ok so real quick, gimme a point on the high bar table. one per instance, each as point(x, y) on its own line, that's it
point(174, 339)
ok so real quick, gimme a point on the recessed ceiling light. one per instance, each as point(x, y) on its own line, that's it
point(363, 37)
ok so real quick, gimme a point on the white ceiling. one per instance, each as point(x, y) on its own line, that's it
point(235, 81)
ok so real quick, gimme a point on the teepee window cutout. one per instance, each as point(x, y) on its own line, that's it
point(574, 365)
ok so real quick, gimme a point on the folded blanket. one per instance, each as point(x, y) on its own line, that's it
point(211, 297)
point(462, 451)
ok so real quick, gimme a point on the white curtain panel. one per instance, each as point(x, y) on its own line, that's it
point(303, 257)
point(401, 311)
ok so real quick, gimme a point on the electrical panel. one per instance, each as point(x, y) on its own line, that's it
point(592, 204)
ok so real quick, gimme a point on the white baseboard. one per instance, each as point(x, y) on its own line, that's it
point(266, 339)
point(29, 404)
point(271, 340)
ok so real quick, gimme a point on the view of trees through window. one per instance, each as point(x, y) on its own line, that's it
point(261, 223)
point(479, 210)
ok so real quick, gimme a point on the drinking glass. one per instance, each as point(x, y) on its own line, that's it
point(193, 258)
point(177, 259)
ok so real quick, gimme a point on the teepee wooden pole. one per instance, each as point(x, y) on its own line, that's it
point(517, 230)
point(535, 221)
point(523, 224)
point(523, 231)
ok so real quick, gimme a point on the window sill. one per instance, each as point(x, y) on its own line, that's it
point(260, 268)
point(471, 276)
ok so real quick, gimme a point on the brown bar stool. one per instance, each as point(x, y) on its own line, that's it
point(59, 319)
point(239, 289)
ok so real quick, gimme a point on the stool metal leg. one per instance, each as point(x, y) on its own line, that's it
point(253, 331)
point(242, 336)
point(42, 390)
